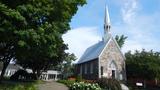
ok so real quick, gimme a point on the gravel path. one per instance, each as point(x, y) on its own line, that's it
point(52, 86)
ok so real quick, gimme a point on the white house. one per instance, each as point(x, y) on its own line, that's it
point(50, 75)
point(11, 69)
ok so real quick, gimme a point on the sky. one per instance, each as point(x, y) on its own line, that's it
point(139, 20)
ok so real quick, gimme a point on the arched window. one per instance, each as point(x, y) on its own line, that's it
point(112, 65)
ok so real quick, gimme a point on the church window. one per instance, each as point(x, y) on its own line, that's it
point(85, 68)
point(113, 73)
point(121, 78)
point(91, 68)
point(101, 70)
point(81, 69)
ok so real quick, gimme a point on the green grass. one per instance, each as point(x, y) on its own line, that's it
point(8, 85)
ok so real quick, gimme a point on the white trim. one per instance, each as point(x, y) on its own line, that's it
point(99, 65)
point(99, 76)
point(105, 47)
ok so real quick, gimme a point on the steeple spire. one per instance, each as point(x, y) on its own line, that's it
point(107, 24)
point(107, 18)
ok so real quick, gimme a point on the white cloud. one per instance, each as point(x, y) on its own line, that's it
point(139, 27)
point(81, 38)
point(129, 8)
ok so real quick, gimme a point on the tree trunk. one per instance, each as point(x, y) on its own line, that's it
point(5, 64)
point(38, 74)
point(34, 74)
point(156, 81)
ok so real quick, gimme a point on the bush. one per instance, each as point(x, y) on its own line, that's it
point(22, 75)
point(84, 86)
point(79, 78)
point(66, 82)
point(111, 84)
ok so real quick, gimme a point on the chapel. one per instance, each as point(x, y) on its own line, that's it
point(103, 59)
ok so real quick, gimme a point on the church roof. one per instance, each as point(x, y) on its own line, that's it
point(92, 52)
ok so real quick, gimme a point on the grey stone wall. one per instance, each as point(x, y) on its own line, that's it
point(112, 53)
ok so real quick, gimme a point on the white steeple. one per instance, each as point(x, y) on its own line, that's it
point(107, 25)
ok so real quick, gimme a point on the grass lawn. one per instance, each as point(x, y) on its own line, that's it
point(10, 85)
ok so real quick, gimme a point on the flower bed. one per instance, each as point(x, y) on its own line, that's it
point(84, 86)
point(67, 82)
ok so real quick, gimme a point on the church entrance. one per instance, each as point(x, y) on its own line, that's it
point(113, 74)
point(113, 69)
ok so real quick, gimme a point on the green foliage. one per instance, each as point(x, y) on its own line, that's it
point(84, 86)
point(67, 82)
point(109, 84)
point(18, 86)
point(67, 66)
point(143, 64)
point(120, 40)
point(31, 30)
point(79, 78)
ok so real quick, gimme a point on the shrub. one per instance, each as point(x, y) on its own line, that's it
point(79, 78)
point(84, 86)
point(111, 84)
point(66, 82)
point(22, 75)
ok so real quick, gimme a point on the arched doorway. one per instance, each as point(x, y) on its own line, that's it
point(113, 69)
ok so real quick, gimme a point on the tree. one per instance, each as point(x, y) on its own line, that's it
point(144, 64)
point(31, 30)
point(67, 66)
point(120, 40)
point(10, 21)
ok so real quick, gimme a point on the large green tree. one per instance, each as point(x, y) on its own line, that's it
point(143, 64)
point(31, 30)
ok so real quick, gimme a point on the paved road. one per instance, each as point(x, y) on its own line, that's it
point(124, 87)
point(52, 86)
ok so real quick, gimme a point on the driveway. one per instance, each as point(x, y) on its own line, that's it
point(52, 86)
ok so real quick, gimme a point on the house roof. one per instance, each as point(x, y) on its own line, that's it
point(14, 66)
point(93, 52)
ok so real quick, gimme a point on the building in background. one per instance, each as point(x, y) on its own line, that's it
point(50, 75)
point(11, 69)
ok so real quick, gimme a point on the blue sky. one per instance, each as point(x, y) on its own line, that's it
point(139, 20)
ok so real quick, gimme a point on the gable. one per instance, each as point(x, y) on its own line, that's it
point(96, 50)
point(111, 46)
